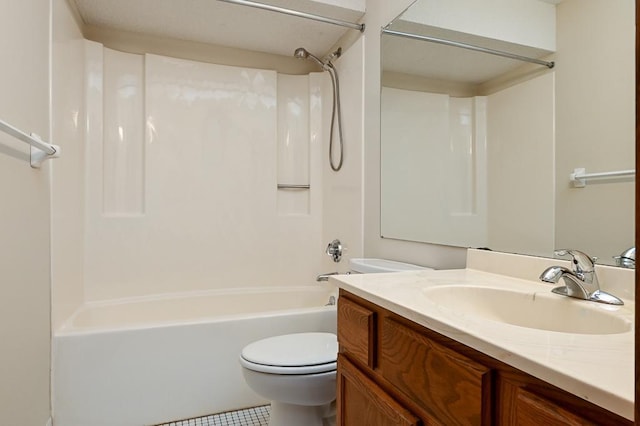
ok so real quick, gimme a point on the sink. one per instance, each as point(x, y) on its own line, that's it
point(541, 310)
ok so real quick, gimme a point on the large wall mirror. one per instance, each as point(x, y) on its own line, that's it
point(477, 149)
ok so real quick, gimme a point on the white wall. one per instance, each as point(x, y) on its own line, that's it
point(379, 14)
point(24, 216)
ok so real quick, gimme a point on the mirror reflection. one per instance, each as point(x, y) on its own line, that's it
point(478, 150)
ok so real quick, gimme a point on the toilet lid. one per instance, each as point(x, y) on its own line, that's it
point(293, 350)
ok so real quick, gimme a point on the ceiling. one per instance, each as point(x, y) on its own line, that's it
point(220, 23)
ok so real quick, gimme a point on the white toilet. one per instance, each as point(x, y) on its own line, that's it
point(297, 372)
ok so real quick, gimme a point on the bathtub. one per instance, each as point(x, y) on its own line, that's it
point(145, 361)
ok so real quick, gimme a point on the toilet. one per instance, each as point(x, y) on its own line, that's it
point(297, 372)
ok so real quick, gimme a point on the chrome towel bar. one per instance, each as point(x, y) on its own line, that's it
point(579, 176)
point(40, 150)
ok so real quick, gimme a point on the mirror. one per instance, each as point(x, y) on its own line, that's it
point(477, 149)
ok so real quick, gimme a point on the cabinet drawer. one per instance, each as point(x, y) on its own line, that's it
point(356, 331)
point(448, 385)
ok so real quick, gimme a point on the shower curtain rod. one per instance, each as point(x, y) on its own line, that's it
point(40, 150)
point(359, 27)
point(468, 47)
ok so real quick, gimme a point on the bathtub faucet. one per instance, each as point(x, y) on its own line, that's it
point(325, 277)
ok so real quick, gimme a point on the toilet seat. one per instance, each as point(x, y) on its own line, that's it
point(299, 353)
point(302, 370)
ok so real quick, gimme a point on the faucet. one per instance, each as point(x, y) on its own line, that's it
point(334, 250)
point(325, 277)
point(627, 258)
point(580, 281)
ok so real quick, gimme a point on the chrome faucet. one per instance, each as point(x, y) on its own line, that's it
point(627, 258)
point(334, 250)
point(325, 277)
point(580, 281)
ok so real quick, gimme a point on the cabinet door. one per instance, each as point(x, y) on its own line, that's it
point(524, 400)
point(356, 331)
point(362, 402)
point(532, 410)
point(451, 387)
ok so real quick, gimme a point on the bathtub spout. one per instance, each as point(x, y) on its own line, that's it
point(325, 277)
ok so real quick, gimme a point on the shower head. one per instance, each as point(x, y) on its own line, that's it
point(302, 53)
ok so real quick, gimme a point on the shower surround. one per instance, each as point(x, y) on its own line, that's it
point(182, 166)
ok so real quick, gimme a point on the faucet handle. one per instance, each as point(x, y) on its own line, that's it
point(581, 262)
point(334, 250)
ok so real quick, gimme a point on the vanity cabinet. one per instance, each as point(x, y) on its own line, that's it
point(392, 371)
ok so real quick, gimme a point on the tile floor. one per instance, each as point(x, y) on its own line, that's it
point(256, 416)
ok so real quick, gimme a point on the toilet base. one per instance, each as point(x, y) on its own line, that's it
point(283, 414)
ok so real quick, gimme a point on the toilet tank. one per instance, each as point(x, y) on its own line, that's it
point(368, 266)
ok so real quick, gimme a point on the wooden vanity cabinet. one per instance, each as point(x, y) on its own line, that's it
point(392, 371)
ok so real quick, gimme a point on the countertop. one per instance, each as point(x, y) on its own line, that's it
point(596, 367)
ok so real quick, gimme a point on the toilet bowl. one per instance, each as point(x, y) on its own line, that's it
point(297, 373)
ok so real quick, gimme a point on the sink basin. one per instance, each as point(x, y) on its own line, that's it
point(541, 310)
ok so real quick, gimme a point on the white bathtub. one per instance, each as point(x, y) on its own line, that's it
point(151, 360)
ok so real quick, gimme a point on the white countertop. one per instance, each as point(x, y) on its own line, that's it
point(596, 367)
